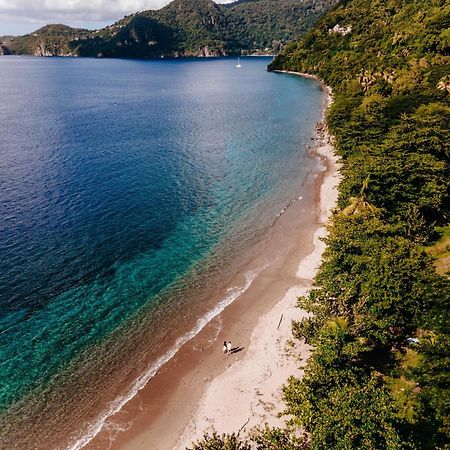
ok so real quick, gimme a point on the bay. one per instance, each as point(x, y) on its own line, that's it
point(121, 182)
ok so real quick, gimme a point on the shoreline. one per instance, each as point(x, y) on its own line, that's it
point(255, 382)
point(167, 412)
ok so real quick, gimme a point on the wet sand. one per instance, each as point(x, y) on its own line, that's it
point(200, 387)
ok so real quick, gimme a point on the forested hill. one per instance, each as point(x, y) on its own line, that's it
point(182, 28)
point(378, 376)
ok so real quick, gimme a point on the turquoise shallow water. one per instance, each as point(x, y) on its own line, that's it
point(120, 179)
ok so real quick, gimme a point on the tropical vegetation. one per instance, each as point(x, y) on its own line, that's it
point(182, 28)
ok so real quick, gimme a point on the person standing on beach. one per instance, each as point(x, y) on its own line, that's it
point(225, 347)
point(229, 347)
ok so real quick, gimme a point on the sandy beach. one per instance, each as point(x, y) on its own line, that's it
point(254, 383)
point(199, 388)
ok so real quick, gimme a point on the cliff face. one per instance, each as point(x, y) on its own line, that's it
point(182, 28)
point(4, 45)
point(48, 49)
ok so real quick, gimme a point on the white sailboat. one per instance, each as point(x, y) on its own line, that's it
point(239, 63)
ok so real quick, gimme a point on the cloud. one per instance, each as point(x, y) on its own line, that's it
point(24, 16)
point(73, 10)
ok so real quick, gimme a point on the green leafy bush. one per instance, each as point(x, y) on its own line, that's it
point(377, 288)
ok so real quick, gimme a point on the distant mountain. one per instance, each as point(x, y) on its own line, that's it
point(47, 41)
point(260, 24)
point(182, 28)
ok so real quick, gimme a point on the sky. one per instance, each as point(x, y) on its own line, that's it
point(23, 16)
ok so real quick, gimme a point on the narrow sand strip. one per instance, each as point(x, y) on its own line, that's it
point(248, 392)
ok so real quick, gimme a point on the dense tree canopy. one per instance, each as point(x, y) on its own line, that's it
point(378, 375)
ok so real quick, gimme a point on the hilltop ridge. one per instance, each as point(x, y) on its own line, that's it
point(181, 28)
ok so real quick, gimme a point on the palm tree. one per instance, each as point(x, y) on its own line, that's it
point(338, 324)
point(359, 205)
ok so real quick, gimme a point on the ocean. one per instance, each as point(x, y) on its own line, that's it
point(129, 193)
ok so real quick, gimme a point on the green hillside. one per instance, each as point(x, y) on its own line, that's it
point(261, 24)
point(182, 28)
point(47, 41)
point(378, 377)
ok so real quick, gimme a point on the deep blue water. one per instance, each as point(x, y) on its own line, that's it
point(118, 177)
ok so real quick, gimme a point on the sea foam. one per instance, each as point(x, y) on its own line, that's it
point(115, 406)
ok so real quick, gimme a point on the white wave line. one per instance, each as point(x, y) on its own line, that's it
point(140, 383)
